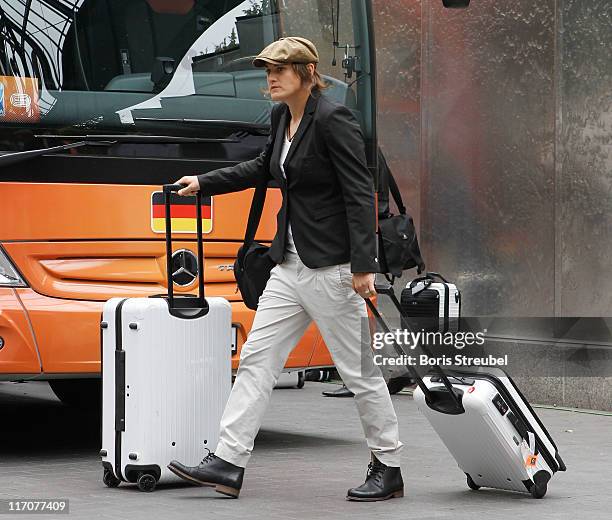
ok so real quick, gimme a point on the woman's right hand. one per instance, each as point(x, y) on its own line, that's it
point(191, 183)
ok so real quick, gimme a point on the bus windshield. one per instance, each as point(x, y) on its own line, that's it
point(164, 67)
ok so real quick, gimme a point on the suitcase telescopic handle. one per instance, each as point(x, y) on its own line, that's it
point(387, 290)
point(193, 304)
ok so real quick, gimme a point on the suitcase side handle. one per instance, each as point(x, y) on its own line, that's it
point(188, 304)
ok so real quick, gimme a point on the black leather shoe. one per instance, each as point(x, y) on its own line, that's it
point(397, 384)
point(382, 482)
point(212, 471)
point(339, 392)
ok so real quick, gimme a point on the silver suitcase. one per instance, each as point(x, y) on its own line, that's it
point(166, 377)
point(495, 436)
point(434, 305)
point(486, 423)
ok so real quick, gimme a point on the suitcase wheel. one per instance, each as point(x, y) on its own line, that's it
point(538, 491)
point(146, 482)
point(540, 484)
point(471, 484)
point(109, 479)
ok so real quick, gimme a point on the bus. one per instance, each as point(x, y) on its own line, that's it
point(101, 103)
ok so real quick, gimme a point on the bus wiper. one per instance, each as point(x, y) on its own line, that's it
point(244, 126)
point(137, 138)
point(17, 157)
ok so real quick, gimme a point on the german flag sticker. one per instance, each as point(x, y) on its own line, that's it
point(182, 212)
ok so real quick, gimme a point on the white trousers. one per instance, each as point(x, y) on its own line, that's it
point(294, 296)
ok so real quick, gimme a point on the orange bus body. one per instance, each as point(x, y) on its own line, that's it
point(78, 245)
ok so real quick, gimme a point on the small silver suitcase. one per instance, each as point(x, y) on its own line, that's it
point(497, 439)
point(166, 377)
point(432, 305)
point(485, 422)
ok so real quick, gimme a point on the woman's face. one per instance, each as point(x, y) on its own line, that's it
point(283, 82)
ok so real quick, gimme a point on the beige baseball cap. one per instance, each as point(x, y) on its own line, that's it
point(292, 49)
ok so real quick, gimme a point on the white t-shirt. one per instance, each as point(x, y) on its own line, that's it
point(290, 246)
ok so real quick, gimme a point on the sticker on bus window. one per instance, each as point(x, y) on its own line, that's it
point(19, 99)
point(182, 213)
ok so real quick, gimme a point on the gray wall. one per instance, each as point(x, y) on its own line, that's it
point(497, 121)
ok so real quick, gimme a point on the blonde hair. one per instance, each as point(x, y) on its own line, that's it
point(302, 71)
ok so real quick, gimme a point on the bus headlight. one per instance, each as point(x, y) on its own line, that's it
point(9, 277)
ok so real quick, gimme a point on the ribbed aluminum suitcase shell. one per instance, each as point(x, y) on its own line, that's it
point(490, 446)
point(433, 305)
point(176, 382)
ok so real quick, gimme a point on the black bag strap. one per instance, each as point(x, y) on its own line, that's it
point(397, 197)
point(390, 277)
point(259, 198)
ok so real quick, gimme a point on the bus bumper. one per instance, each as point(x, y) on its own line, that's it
point(47, 338)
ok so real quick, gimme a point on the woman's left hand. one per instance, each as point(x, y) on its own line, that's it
point(363, 284)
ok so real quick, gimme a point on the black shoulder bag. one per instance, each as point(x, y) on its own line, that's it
point(398, 247)
point(253, 263)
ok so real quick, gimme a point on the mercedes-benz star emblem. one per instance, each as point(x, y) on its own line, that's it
point(184, 267)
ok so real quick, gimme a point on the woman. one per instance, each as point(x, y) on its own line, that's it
point(325, 251)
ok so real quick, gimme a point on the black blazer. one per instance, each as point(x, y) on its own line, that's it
point(329, 193)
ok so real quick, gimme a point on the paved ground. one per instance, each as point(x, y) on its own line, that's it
point(309, 451)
